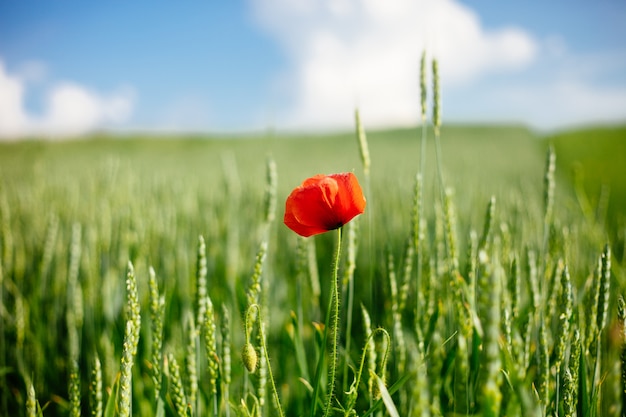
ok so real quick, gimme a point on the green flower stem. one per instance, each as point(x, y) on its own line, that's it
point(334, 302)
point(267, 359)
point(349, 280)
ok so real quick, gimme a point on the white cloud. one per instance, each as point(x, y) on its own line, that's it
point(12, 117)
point(69, 109)
point(365, 53)
point(564, 103)
point(563, 89)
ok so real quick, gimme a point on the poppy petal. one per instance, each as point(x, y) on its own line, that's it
point(312, 205)
point(301, 229)
point(322, 203)
point(349, 201)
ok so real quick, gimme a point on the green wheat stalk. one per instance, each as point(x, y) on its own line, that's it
point(420, 391)
point(49, 250)
point(366, 164)
point(125, 382)
point(201, 282)
point(110, 364)
point(543, 368)
point(423, 98)
point(486, 237)
point(157, 313)
point(352, 394)
point(525, 354)
point(95, 389)
point(592, 301)
point(191, 361)
point(74, 315)
point(210, 344)
point(568, 406)
point(471, 265)
point(553, 286)
point(621, 318)
point(7, 234)
point(74, 389)
point(563, 329)
point(548, 195)
point(605, 287)
point(570, 377)
point(249, 321)
point(409, 255)
point(436, 120)
point(254, 290)
point(507, 325)
point(363, 146)
point(533, 280)
point(515, 287)
point(225, 370)
point(131, 342)
point(270, 191)
point(313, 272)
point(489, 286)
point(417, 234)
point(263, 366)
point(440, 255)
point(133, 307)
point(180, 399)
point(566, 302)
point(450, 233)
point(396, 316)
point(436, 355)
point(463, 402)
point(602, 314)
point(31, 400)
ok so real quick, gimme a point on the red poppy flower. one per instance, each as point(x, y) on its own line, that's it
point(323, 203)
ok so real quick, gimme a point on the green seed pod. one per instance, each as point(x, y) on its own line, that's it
point(249, 357)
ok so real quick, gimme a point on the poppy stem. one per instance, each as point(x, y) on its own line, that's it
point(334, 329)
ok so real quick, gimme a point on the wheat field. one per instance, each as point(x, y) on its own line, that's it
point(154, 276)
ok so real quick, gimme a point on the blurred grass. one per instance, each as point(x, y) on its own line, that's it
point(478, 161)
point(147, 199)
point(594, 160)
point(508, 150)
point(191, 176)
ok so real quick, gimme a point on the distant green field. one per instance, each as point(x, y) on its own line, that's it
point(511, 151)
point(479, 161)
point(594, 160)
point(484, 304)
point(476, 158)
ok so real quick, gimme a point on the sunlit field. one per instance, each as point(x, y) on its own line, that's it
point(155, 276)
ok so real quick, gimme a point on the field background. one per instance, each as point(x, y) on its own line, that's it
point(147, 199)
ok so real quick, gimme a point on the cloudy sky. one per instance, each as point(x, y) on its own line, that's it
point(70, 67)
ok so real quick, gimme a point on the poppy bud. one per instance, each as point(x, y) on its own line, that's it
point(249, 357)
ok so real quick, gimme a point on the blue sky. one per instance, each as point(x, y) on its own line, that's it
point(69, 67)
